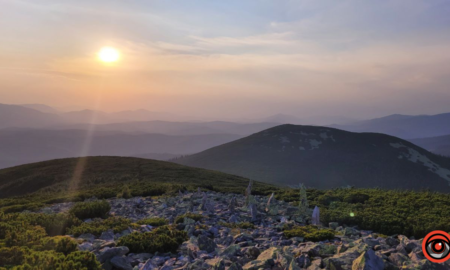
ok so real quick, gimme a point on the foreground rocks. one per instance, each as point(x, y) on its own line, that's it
point(213, 245)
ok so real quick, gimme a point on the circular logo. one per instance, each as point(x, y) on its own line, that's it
point(436, 246)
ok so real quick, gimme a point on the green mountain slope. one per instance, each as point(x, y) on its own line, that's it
point(325, 158)
point(62, 175)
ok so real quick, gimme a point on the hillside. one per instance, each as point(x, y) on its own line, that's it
point(404, 126)
point(439, 145)
point(327, 158)
point(110, 172)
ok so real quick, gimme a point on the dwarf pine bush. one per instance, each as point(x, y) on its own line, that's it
point(96, 209)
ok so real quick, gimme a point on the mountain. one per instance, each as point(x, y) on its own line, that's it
point(41, 107)
point(144, 115)
point(14, 116)
point(439, 145)
point(59, 174)
point(21, 146)
point(404, 126)
point(181, 128)
point(324, 158)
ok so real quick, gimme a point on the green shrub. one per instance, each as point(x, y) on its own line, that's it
point(54, 224)
point(241, 225)
point(162, 239)
point(97, 226)
point(11, 256)
point(196, 217)
point(26, 236)
point(125, 193)
point(96, 209)
point(153, 221)
point(61, 244)
point(310, 233)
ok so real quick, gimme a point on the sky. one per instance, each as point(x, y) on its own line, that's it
point(229, 59)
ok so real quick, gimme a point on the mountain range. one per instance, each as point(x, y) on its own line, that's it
point(323, 157)
point(404, 126)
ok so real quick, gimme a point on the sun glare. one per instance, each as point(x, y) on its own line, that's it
point(108, 55)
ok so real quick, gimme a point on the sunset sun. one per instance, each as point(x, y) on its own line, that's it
point(108, 54)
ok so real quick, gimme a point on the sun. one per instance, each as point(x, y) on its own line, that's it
point(108, 55)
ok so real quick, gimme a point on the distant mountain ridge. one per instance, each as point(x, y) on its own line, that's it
point(325, 158)
point(404, 126)
point(439, 145)
point(27, 145)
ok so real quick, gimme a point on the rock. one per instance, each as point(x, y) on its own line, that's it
point(293, 265)
point(253, 252)
point(315, 219)
point(368, 261)
point(108, 253)
point(206, 244)
point(264, 260)
point(349, 231)
point(121, 263)
point(108, 235)
point(315, 265)
point(398, 259)
point(303, 261)
point(233, 204)
point(87, 236)
point(233, 219)
point(231, 250)
point(253, 212)
point(86, 246)
point(392, 241)
point(333, 225)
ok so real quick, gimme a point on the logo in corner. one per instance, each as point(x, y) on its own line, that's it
point(436, 246)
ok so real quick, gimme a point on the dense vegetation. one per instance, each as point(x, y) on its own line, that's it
point(55, 181)
point(162, 239)
point(26, 243)
point(309, 233)
point(95, 209)
point(389, 212)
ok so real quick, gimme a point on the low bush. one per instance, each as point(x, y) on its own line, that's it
point(310, 233)
point(153, 221)
point(61, 244)
point(162, 239)
point(241, 225)
point(125, 193)
point(96, 209)
point(196, 217)
point(97, 226)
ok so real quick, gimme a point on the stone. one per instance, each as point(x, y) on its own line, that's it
point(233, 219)
point(269, 202)
point(231, 250)
point(109, 253)
point(333, 225)
point(206, 244)
point(303, 202)
point(349, 231)
point(233, 204)
point(315, 219)
point(368, 261)
point(87, 236)
point(253, 252)
point(253, 212)
point(293, 265)
point(303, 261)
point(398, 259)
point(121, 263)
point(108, 235)
point(265, 260)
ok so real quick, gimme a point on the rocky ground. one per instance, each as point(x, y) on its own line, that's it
point(213, 246)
